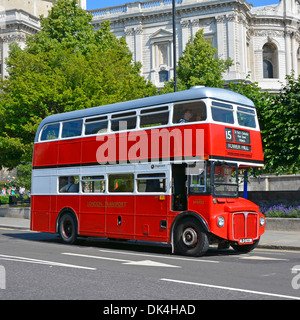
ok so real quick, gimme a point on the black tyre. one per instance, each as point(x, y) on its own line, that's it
point(246, 247)
point(67, 228)
point(190, 239)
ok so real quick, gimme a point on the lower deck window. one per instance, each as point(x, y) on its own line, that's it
point(121, 182)
point(93, 184)
point(68, 184)
point(151, 182)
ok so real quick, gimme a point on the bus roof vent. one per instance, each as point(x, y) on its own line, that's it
point(197, 87)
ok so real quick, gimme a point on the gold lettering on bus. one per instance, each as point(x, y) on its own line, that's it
point(198, 202)
point(106, 204)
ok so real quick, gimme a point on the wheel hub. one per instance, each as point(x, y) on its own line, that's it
point(189, 237)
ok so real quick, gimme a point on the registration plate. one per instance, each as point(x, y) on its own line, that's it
point(246, 241)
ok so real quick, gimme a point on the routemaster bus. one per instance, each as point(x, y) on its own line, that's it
point(160, 169)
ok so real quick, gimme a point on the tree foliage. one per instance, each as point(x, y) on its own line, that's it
point(279, 119)
point(281, 132)
point(199, 65)
point(66, 66)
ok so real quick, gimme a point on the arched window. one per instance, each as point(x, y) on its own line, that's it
point(270, 60)
point(268, 69)
point(163, 76)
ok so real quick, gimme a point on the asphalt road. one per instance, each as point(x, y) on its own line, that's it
point(38, 266)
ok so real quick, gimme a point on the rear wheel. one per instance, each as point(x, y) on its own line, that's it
point(190, 239)
point(67, 228)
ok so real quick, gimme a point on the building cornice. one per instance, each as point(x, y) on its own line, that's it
point(151, 9)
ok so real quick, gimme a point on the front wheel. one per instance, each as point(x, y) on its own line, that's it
point(67, 228)
point(190, 239)
point(246, 247)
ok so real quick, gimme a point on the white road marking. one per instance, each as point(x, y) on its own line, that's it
point(260, 258)
point(150, 263)
point(37, 261)
point(158, 256)
point(232, 289)
point(123, 261)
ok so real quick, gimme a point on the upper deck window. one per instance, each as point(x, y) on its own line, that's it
point(154, 117)
point(123, 121)
point(246, 117)
point(72, 129)
point(50, 132)
point(96, 125)
point(222, 112)
point(189, 112)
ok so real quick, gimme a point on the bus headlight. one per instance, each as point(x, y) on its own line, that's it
point(221, 222)
point(262, 221)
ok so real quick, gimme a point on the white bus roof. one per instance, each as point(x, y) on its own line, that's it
point(192, 94)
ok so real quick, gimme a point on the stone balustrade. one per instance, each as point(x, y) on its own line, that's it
point(133, 7)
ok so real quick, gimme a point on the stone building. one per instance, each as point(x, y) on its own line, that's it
point(262, 41)
point(19, 18)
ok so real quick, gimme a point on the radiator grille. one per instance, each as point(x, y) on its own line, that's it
point(245, 225)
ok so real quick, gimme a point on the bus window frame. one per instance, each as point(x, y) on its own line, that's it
point(72, 120)
point(151, 176)
point(90, 120)
point(213, 183)
point(249, 112)
point(101, 177)
point(49, 124)
point(186, 102)
point(207, 181)
point(120, 117)
point(223, 106)
point(122, 174)
point(142, 112)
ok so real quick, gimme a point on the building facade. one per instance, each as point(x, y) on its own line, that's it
point(263, 42)
point(19, 18)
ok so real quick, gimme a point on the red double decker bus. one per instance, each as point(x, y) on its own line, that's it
point(161, 169)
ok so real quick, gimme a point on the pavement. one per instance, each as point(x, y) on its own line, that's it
point(271, 239)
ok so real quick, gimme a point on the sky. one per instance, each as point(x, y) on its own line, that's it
point(96, 4)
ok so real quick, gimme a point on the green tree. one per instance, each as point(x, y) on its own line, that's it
point(281, 132)
point(66, 66)
point(199, 65)
point(278, 117)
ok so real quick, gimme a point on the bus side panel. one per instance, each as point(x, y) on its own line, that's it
point(151, 211)
point(53, 214)
point(89, 149)
point(69, 152)
point(92, 214)
point(68, 201)
point(45, 154)
point(40, 206)
point(120, 216)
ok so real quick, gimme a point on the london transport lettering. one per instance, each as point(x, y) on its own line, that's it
point(116, 204)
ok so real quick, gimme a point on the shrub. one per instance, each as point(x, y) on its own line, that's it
point(281, 211)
